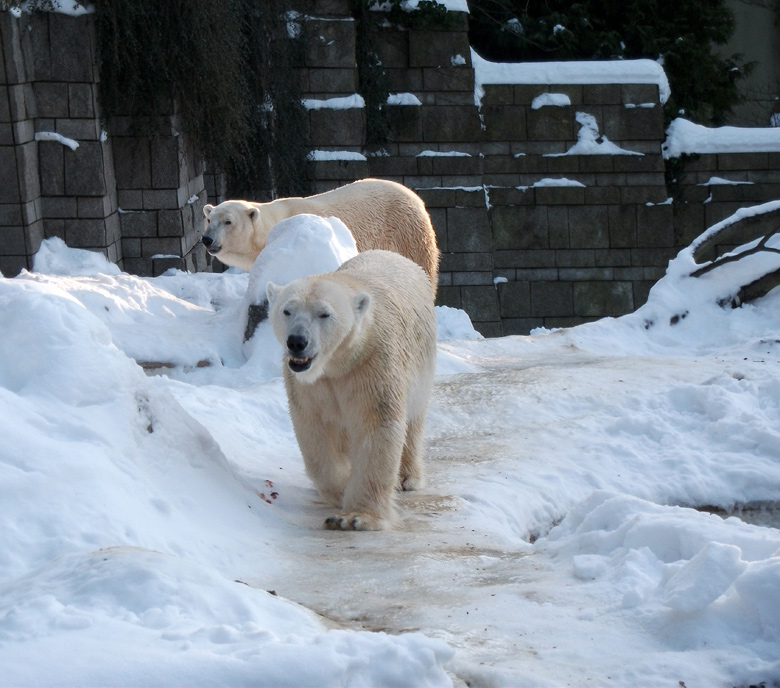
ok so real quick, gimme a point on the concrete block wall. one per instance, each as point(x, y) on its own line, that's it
point(520, 251)
point(134, 198)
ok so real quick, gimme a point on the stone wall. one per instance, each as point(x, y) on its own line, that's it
point(530, 235)
point(132, 195)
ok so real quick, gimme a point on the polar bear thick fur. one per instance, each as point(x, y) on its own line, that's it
point(359, 362)
point(379, 213)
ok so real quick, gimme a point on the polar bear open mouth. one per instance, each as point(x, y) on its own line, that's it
point(298, 365)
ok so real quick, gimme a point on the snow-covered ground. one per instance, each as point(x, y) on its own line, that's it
point(158, 528)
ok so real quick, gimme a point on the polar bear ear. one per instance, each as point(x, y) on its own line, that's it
point(207, 209)
point(253, 213)
point(361, 304)
point(272, 291)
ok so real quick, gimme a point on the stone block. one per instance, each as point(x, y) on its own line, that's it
point(405, 122)
point(558, 226)
point(655, 226)
point(481, 303)
point(600, 299)
point(51, 99)
point(27, 171)
point(161, 199)
point(560, 195)
point(552, 124)
point(466, 262)
point(602, 195)
point(514, 299)
point(71, 42)
point(613, 257)
point(79, 129)
point(156, 246)
point(437, 48)
point(392, 47)
point(405, 80)
point(519, 326)
point(640, 163)
point(498, 94)
point(742, 161)
point(139, 223)
point(520, 227)
point(10, 215)
point(589, 226)
point(468, 230)
point(332, 127)
point(9, 180)
point(329, 82)
point(93, 207)
point(6, 134)
point(524, 259)
point(84, 170)
point(59, 207)
point(579, 258)
point(81, 101)
point(602, 94)
point(170, 223)
point(132, 162)
point(449, 79)
point(21, 102)
point(472, 278)
point(637, 94)
point(165, 160)
point(336, 170)
point(504, 123)
point(585, 274)
point(451, 123)
point(563, 164)
point(329, 43)
point(551, 299)
point(597, 163)
point(13, 242)
point(85, 233)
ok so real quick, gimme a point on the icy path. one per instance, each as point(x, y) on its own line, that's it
point(460, 567)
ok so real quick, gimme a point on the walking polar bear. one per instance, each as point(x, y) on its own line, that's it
point(379, 213)
point(360, 355)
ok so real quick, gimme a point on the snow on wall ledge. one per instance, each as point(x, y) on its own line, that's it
point(686, 138)
point(595, 72)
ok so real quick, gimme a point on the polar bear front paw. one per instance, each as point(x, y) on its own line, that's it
point(355, 521)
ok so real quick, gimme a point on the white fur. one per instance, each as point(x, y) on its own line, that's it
point(379, 213)
point(359, 409)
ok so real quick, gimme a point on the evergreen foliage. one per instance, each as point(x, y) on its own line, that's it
point(680, 34)
point(227, 65)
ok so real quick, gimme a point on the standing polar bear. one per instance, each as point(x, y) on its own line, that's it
point(379, 213)
point(360, 352)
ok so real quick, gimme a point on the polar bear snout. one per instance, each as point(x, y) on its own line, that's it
point(296, 348)
point(211, 244)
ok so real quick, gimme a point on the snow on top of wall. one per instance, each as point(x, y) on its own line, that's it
point(411, 5)
point(590, 142)
point(550, 99)
point(342, 103)
point(403, 99)
point(684, 137)
point(594, 72)
point(70, 7)
point(320, 155)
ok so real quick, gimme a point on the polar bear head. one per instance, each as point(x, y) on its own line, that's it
point(235, 232)
point(320, 321)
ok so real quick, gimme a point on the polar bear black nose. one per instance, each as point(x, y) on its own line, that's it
point(296, 343)
point(207, 240)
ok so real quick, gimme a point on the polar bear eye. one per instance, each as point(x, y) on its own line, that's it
point(286, 312)
point(324, 315)
point(228, 222)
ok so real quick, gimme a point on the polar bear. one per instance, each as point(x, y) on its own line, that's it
point(379, 213)
point(359, 362)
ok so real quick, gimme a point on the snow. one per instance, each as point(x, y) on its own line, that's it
point(340, 103)
point(53, 136)
point(550, 99)
point(552, 73)
point(686, 138)
point(403, 99)
point(590, 142)
point(335, 155)
point(159, 529)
